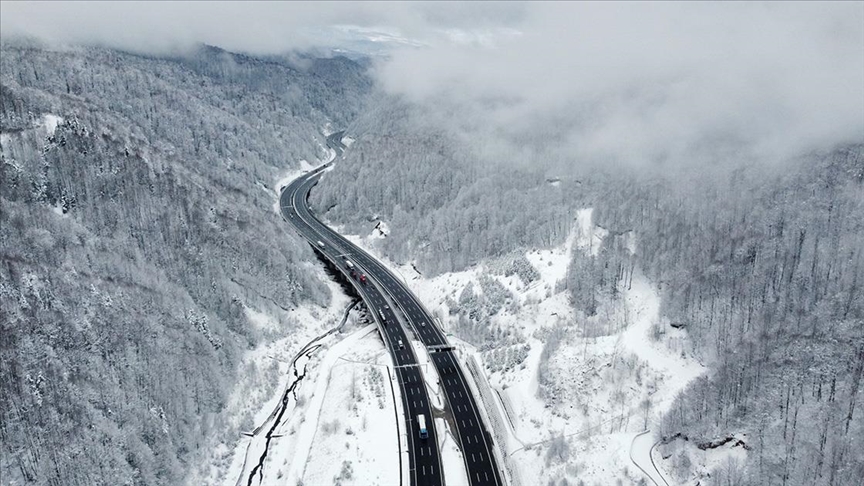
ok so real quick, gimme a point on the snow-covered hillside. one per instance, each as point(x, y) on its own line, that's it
point(564, 402)
point(132, 214)
point(267, 372)
point(573, 411)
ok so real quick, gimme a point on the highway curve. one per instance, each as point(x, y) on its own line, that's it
point(384, 289)
point(424, 458)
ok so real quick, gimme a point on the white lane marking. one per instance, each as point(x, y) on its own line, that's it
point(416, 311)
point(473, 459)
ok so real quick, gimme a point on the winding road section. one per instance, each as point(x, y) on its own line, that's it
point(384, 294)
point(424, 459)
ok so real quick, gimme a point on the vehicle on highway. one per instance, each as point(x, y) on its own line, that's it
point(427, 461)
point(349, 264)
point(320, 244)
point(421, 424)
point(383, 317)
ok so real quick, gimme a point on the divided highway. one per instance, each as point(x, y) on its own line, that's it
point(385, 294)
point(424, 458)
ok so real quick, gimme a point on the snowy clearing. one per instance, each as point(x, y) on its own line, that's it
point(356, 437)
point(360, 432)
point(50, 122)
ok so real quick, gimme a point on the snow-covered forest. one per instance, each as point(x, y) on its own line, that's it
point(641, 230)
point(761, 264)
point(451, 209)
point(135, 227)
point(763, 267)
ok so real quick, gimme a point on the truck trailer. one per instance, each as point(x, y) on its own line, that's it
point(421, 423)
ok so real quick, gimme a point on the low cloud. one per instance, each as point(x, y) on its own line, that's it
point(625, 81)
point(257, 27)
point(654, 82)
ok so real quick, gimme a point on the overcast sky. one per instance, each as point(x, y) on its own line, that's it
point(257, 27)
point(621, 80)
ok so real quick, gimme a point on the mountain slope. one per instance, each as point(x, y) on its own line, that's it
point(135, 225)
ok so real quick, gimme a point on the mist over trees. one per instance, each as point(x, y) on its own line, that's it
point(132, 235)
point(450, 208)
point(761, 262)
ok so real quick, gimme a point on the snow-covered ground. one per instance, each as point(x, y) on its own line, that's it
point(600, 392)
point(50, 123)
point(266, 371)
point(339, 424)
point(344, 428)
point(356, 429)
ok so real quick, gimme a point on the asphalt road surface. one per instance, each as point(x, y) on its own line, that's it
point(385, 295)
point(424, 458)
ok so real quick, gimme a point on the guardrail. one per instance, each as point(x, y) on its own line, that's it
point(508, 409)
point(499, 430)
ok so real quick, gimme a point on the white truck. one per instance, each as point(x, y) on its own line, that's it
point(421, 423)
